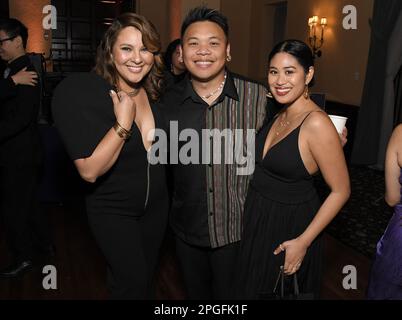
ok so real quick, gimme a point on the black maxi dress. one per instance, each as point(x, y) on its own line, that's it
point(128, 206)
point(281, 202)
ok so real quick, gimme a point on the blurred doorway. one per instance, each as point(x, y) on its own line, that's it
point(272, 29)
point(279, 11)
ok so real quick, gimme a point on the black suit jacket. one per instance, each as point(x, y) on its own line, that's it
point(7, 88)
point(20, 143)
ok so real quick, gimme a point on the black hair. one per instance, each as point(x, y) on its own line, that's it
point(167, 57)
point(297, 49)
point(14, 28)
point(203, 13)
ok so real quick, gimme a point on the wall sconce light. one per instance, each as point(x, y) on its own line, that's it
point(316, 42)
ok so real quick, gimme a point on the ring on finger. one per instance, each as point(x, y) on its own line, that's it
point(281, 247)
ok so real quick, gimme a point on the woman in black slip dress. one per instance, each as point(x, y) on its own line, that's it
point(107, 136)
point(283, 217)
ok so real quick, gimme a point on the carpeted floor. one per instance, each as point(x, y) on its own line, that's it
point(363, 219)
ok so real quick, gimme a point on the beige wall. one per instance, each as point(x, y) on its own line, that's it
point(158, 12)
point(341, 70)
point(261, 38)
point(189, 4)
point(238, 13)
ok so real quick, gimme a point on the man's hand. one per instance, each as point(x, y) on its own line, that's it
point(344, 136)
point(24, 77)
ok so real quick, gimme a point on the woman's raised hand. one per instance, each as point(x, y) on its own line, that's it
point(124, 108)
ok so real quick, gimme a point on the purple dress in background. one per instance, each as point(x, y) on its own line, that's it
point(386, 274)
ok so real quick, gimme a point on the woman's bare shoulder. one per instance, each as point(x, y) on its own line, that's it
point(398, 131)
point(395, 141)
point(317, 120)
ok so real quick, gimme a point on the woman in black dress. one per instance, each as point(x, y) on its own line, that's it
point(109, 136)
point(283, 217)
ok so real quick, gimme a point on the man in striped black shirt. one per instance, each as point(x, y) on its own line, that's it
point(209, 192)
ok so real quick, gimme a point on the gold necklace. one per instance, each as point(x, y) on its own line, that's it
point(282, 126)
point(130, 93)
point(133, 93)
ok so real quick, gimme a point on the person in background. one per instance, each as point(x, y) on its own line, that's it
point(385, 281)
point(175, 68)
point(21, 154)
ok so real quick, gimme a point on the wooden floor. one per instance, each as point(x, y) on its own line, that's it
point(81, 267)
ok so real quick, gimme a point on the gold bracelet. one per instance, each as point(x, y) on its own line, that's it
point(123, 133)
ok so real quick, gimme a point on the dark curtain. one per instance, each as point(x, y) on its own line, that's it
point(369, 146)
point(127, 6)
point(394, 62)
point(398, 98)
point(4, 12)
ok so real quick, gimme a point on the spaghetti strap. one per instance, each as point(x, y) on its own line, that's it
point(281, 202)
point(308, 115)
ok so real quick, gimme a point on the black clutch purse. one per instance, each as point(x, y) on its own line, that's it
point(286, 289)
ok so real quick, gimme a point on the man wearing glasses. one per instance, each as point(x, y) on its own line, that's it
point(20, 156)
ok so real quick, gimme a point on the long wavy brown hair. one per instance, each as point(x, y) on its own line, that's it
point(153, 81)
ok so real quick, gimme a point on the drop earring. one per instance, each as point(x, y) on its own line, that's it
point(269, 95)
point(306, 94)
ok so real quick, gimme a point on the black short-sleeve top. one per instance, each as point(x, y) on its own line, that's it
point(83, 114)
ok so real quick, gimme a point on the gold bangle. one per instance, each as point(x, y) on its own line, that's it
point(122, 133)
